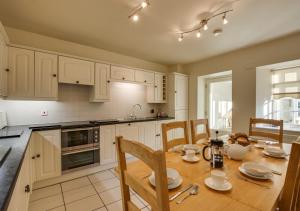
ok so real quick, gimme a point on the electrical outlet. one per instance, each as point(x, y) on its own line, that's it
point(44, 113)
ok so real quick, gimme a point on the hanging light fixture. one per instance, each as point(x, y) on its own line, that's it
point(204, 25)
point(134, 14)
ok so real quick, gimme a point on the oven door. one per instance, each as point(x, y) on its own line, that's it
point(79, 158)
point(73, 139)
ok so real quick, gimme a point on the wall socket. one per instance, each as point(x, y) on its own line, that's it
point(44, 113)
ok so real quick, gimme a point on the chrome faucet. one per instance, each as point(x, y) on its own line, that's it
point(132, 114)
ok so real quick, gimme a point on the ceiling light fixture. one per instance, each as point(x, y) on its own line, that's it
point(204, 25)
point(134, 14)
point(217, 32)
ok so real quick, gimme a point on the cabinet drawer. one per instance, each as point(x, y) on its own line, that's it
point(76, 71)
point(122, 73)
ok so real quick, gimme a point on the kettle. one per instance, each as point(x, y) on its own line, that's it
point(236, 151)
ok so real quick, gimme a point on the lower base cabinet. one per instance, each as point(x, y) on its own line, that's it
point(107, 144)
point(20, 197)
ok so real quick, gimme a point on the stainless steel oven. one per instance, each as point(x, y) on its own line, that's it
point(80, 147)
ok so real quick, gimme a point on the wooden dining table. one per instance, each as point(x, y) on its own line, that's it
point(246, 193)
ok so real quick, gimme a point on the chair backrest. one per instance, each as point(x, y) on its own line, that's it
point(275, 136)
point(167, 144)
point(198, 136)
point(290, 200)
point(158, 198)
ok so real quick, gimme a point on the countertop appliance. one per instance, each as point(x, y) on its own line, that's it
point(80, 147)
point(3, 119)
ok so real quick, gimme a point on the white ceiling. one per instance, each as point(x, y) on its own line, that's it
point(104, 24)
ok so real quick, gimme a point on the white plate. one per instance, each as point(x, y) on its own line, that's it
point(264, 177)
point(193, 160)
point(260, 146)
point(209, 183)
point(274, 155)
point(173, 185)
point(256, 169)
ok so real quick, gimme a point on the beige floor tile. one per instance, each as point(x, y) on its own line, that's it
point(111, 195)
point(76, 183)
point(137, 202)
point(146, 209)
point(87, 204)
point(62, 208)
point(78, 193)
point(106, 184)
point(101, 209)
point(142, 200)
point(46, 203)
point(100, 176)
point(45, 192)
point(117, 206)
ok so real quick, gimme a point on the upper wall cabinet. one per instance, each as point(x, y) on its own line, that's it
point(46, 84)
point(157, 92)
point(21, 73)
point(3, 67)
point(101, 91)
point(76, 71)
point(144, 77)
point(122, 73)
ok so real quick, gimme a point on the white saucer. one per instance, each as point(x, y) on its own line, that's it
point(173, 185)
point(260, 146)
point(193, 160)
point(194, 147)
point(274, 155)
point(264, 177)
point(209, 183)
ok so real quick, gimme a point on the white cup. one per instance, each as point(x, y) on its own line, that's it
point(190, 154)
point(261, 142)
point(218, 177)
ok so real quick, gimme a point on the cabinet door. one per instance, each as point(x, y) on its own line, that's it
point(3, 67)
point(159, 87)
point(101, 91)
point(149, 134)
point(76, 71)
point(122, 73)
point(20, 198)
point(144, 77)
point(180, 115)
point(181, 92)
point(46, 83)
point(107, 144)
point(48, 154)
point(150, 93)
point(21, 73)
point(158, 134)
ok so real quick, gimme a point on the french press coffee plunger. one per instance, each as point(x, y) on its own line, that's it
point(216, 152)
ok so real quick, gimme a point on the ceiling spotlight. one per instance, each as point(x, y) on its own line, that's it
point(180, 38)
point(144, 4)
point(225, 21)
point(217, 32)
point(198, 35)
point(135, 18)
point(205, 27)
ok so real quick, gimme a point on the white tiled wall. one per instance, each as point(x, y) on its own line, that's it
point(74, 105)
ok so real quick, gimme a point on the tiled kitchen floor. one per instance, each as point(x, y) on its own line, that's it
point(97, 192)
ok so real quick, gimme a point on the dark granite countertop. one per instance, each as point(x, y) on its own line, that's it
point(10, 168)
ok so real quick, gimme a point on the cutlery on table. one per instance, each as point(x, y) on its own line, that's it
point(276, 172)
point(180, 192)
point(253, 182)
point(193, 191)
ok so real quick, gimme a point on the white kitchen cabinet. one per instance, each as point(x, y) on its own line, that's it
point(180, 115)
point(47, 154)
point(100, 92)
point(157, 92)
point(21, 73)
point(3, 67)
point(181, 92)
point(76, 71)
point(131, 131)
point(107, 144)
point(122, 73)
point(144, 77)
point(46, 83)
point(149, 134)
point(20, 197)
point(158, 134)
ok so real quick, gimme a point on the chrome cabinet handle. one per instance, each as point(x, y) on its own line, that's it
point(38, 155)
point(27, 188)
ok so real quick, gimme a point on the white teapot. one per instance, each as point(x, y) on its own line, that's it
point(236, 151)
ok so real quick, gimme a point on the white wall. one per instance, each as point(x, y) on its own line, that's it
point(73, 105)
point(263, 90)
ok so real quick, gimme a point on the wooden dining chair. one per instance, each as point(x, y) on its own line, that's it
point(168, 144)
point(158, 199)
point(290, 200)
point(275, 136)
point(199, 136)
